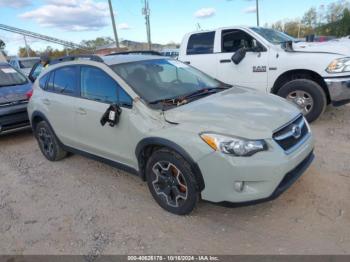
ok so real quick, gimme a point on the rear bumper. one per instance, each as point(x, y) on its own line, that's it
point(13, 118)
point(339, 90)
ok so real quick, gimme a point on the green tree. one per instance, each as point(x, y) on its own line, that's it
point(22, 52)
point(99, 41)
point(310, 18)
point(335, 10)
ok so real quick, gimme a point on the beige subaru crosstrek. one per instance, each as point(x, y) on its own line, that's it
point(185, 133)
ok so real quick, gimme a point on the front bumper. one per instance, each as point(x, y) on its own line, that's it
point(14, 117)
point(265, 175)
point(339, 90)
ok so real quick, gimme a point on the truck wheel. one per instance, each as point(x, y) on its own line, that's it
point(171, 182)
point(308, 96)
point(48, 142)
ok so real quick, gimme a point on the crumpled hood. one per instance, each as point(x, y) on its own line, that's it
point(237, 111)
point(14, 93)
point(335, 47)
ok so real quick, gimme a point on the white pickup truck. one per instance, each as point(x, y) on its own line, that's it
point(310, 75)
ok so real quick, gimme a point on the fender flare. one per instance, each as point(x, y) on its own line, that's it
point(38, 114)
point(162, 142)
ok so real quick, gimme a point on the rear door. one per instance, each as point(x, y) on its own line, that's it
point(98, 91)
point(252, 71)
point(60, 100)
point(199, 52)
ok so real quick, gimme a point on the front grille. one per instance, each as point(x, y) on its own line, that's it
point(290, 136)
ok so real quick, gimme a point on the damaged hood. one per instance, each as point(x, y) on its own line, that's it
point(237, 111)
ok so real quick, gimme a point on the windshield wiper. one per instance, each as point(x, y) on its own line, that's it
point(181, 100)
point(203, 92)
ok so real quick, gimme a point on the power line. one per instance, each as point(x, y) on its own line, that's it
point(42, 37)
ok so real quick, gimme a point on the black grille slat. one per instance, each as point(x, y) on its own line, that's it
point(284, 136)
point(15, 120)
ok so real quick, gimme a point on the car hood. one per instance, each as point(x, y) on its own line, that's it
point(334, 47)
point(237, 111)
point(10, 94)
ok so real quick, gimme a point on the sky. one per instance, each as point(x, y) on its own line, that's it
point(77, 20)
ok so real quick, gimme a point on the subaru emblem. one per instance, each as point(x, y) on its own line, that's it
point(296, 130)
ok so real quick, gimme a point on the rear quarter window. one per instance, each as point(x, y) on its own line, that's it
point(202, 43)
point(43, 81)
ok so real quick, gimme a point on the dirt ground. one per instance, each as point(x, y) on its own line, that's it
point(80, 206)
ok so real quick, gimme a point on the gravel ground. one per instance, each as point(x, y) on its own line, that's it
point(80, 206)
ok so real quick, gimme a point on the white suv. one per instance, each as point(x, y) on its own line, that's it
point(185, 133)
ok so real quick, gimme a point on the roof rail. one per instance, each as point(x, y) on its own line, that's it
point(77, 57)
point(139, 52)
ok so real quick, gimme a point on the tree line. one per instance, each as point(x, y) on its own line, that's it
point(328, 20)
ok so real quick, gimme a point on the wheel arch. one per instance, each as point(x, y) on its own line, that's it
point(36, 118)
point(147, 146)
point(300, 74)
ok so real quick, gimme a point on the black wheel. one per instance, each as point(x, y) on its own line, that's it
point(308, 96)
point(48, 143)
point(171, 182)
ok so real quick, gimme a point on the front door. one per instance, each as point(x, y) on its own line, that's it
point(98, 92)
point(252, 70)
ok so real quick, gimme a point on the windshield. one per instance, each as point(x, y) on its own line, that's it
point(273, 36)
point(162, 79)
point(28, 63)
point(11, 77)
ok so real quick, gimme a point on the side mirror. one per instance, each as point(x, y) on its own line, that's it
point(239, 56)
point(111, 116)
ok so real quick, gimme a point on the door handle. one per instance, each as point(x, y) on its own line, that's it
point(187, 62)
point(225, 61)
point(81, 111)
point(46, 101)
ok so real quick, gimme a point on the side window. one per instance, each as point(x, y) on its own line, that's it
point(232, 40)
point(49, 86)
point(202, 43)
point(99, 86)
point(43, 80)
point(66, 80)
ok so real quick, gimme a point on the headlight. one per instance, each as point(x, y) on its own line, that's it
point(234, 145)
point(339, 65)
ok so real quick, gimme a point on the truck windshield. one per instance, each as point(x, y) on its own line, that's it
point(273, 36)
point(162, 79)
point(11, 77)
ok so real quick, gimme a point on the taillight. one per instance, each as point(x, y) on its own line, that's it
point(29, 94)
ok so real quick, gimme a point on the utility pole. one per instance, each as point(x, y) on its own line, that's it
point(257, 13)
point(26, 44)
point(113, 24)
point(146, 12)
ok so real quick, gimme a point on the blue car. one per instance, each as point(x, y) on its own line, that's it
point(15, 91)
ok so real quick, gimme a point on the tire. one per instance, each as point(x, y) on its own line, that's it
point(171, 182)
point(48, 142)
point(304, 91)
